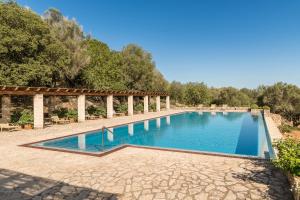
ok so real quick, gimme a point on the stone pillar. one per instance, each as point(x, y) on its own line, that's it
point(168, 102)
point(38, 111)
point(81, 108)
point(157, 103)
point(6, 108)
point(109, 106)
point(146, 104)
point(130, 105)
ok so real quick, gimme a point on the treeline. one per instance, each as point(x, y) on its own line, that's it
point(53, 51)
point(282, 98)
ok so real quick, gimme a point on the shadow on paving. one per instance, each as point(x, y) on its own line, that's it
point(264, 173)
point(15, 186)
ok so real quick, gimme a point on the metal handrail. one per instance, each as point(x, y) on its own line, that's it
point(104, 127)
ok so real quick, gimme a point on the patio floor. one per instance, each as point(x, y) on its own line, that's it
point(130, 173)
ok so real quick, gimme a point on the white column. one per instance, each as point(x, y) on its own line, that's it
point(81, 108)
point(157, 122)
point(146, 125)
point(130, 105)
point(130, 129)
point(157, 103)
point(6, 107)
point(38, 111)
point(81, 142)
point(168, 102)
point(109, 106)
point(146, 104)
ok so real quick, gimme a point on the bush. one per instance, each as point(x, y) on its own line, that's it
point(72, 114)
point(122, 108)
point(139, 107)
point(254, 106)
point(266, 108)
point(288, 156)
point(285, 128)
point(153, 106)
point(100, 111)
point(26, 117)
point(91, 110)
point(14, 118)
point(61, 112)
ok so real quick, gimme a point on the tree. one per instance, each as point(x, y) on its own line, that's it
point(103, 71)
point(233, 97)
point(284, 99)
point(29, 54)
point(72, 37)
point(196, 93)
point(139, 70)
point(176, 92)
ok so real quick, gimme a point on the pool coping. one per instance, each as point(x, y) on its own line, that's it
point(31, 145)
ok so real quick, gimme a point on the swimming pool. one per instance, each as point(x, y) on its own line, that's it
point(234, 133)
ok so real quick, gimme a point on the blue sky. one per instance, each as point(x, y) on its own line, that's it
point(241, 43)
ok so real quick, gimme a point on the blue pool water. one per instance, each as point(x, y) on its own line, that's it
point(229, 133)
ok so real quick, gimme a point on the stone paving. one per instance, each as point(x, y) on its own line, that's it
point(130, 173)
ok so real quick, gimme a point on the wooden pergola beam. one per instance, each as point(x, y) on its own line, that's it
point(29, 91)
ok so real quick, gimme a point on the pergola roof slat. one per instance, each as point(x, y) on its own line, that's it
point(21, 90)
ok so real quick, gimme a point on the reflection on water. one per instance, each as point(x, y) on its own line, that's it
point(81, 142)
point(146, 125)
point(157, 122)
point(168, 119)
point(110, 134)
point(130, 129)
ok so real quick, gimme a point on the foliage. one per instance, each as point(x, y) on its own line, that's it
point(139, 107)
point(254, 106)
point(266, 108)
point(121, 108)
point(152, 107)
point(196, 93)
point(72, 114)
point(283, 99)
point(29, 53)
point(98, 111)
point(61, 112)
point(288, 156)
point(26, 117)
point(14, 118)
point(72, 39)
point(103, 71)
point(285, 128)
point(139, 70)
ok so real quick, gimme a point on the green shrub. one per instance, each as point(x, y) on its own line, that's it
point(100, 111)
point(14, 118)
point(139, 107)
point(91, 110)
point(26, 117)
point(284, 128)
point(61, 112)
point(254, 106)
point(288, 156)
point(266, 108)
point(153, 106)
point(121, 108)
point(72, 114)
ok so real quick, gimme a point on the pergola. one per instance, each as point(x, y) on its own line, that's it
point(39, 92)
